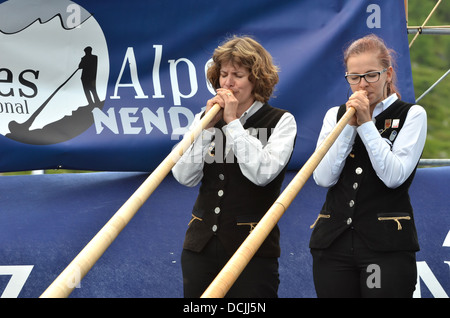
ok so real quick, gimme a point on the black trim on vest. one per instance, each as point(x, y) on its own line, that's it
point(231, 215)
point(384, 221)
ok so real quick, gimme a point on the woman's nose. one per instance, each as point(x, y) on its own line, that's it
point(228, 83)
point(363, 83)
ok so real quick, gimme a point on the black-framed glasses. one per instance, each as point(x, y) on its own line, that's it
point(370, 77)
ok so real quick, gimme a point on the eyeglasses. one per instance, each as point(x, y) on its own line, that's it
point(370, 77)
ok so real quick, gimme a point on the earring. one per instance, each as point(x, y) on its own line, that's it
point(388, 89)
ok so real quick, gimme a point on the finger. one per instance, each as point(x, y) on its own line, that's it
point(225, 93)
point(217, 100)
point(359, 102)
point(360, 96)
point(360, 92)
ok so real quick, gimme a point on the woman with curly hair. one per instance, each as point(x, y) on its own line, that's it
point(240, 160)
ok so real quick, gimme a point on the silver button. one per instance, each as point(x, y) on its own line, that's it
point(355, 185)
point(351, 203)
point(349, 221)
point(214, 228)
point(220, 193)
point(221, 177)
point(359, 170)
point(217, 210)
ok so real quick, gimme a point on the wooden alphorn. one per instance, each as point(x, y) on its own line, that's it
point(64, 284)
point(236, 264)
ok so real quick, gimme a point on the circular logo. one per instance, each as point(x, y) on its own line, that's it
point(53, 72)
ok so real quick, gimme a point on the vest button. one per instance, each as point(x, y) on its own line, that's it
point(221, 177)
point(355, 185)
point(351, 203)
point(214, 228)
point(349, 221)
point(359, 170)
point(217, 210)
point(220, 193)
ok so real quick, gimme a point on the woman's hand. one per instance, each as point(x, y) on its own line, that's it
point(229, 104)
point(360, 102)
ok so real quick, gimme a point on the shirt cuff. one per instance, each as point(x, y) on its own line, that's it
point(348, 135)
point(206, 136)
point(368, 131)
point(235, 129)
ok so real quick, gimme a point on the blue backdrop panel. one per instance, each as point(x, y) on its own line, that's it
point(45, 220)
point(151, 59)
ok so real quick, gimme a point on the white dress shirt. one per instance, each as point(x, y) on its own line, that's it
point(259, 161)
point(393, 166)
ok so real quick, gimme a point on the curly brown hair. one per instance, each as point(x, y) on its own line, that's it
point(245, 51)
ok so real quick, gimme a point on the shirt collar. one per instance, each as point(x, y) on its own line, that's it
point(383, 105)
point(250, 111)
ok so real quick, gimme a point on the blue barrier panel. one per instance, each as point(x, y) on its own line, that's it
point(45, 220)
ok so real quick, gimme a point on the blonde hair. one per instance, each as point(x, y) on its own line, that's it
point(372, 43)
point(246, 52)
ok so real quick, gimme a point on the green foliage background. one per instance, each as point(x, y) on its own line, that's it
point(430, 59)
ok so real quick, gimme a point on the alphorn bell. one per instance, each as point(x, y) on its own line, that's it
point(234, 267)
point(64, 284)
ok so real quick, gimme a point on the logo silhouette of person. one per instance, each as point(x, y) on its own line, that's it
point(88, 65)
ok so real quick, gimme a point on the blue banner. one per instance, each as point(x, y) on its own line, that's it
point(113, 85)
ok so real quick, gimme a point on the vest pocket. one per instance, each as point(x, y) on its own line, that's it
point(251, 224)
point(320, 216)
point(246, 221)
point(195, 217)
point(396, 217)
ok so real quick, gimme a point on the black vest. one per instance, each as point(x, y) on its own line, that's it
point(228, 204)
point(383, 217)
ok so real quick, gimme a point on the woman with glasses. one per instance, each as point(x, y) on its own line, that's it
point(364, 240)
